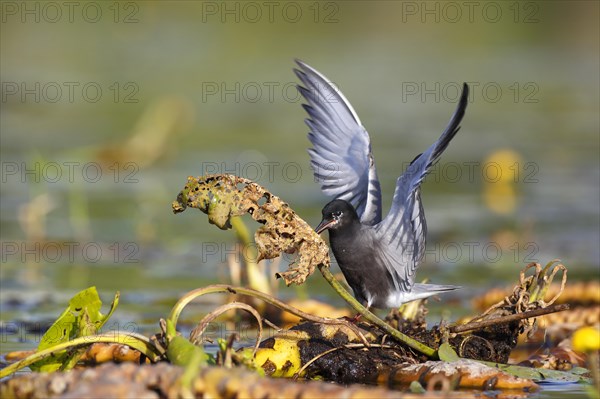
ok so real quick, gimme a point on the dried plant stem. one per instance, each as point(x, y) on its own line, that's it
point(199, 330)
point(507, 319)
point(215, 288)
point(364, 312)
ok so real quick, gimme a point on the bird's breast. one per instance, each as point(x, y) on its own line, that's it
point(352, 250)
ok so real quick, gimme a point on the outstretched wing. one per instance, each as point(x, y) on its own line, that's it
point(341, 154)
point(403, 229)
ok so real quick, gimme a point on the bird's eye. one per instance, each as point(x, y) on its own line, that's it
point(337, 214)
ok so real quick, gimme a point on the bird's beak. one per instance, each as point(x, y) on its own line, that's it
point(324, 225)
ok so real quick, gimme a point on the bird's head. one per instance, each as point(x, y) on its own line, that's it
point(336, 214)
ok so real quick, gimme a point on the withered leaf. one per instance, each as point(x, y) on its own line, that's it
point(223, 196)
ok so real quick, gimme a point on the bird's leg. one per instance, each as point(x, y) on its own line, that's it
point(357, 316)
point(353, 319)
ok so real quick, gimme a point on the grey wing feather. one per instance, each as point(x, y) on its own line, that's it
point(404, 228)
point(341, 154)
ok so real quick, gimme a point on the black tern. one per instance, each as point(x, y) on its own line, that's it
point(378, 257)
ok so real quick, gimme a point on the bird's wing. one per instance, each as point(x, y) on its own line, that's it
point(402, 232)
point(341, 154)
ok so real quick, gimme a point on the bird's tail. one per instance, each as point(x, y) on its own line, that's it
point(432, 289)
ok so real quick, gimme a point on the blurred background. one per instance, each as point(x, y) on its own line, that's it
point(107, 107)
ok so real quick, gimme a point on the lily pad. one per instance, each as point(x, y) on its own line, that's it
point(541, 375)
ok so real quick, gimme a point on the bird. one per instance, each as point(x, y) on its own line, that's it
point(378, 256)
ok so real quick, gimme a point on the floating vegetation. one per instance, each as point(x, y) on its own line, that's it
point(451, 358)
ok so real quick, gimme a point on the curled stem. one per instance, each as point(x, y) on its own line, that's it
point(199, 330)
point(477, 325)
point(190, 296)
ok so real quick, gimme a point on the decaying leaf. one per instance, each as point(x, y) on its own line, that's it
point(223, 196)
point(330, 352)
point(164, 380)
point(583, 298)
point(495, 342)
point(279, 356)
point(465, 373)
point(579, 293)
point(102, 352)
point(577, 375)
point(334, 353)
point(556, 359)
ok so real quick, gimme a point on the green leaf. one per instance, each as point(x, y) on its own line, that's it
point(416, 387)
point(447, 354)
point(538, 374)
point(579, 371)
point(181, 351)
point(81, 318)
